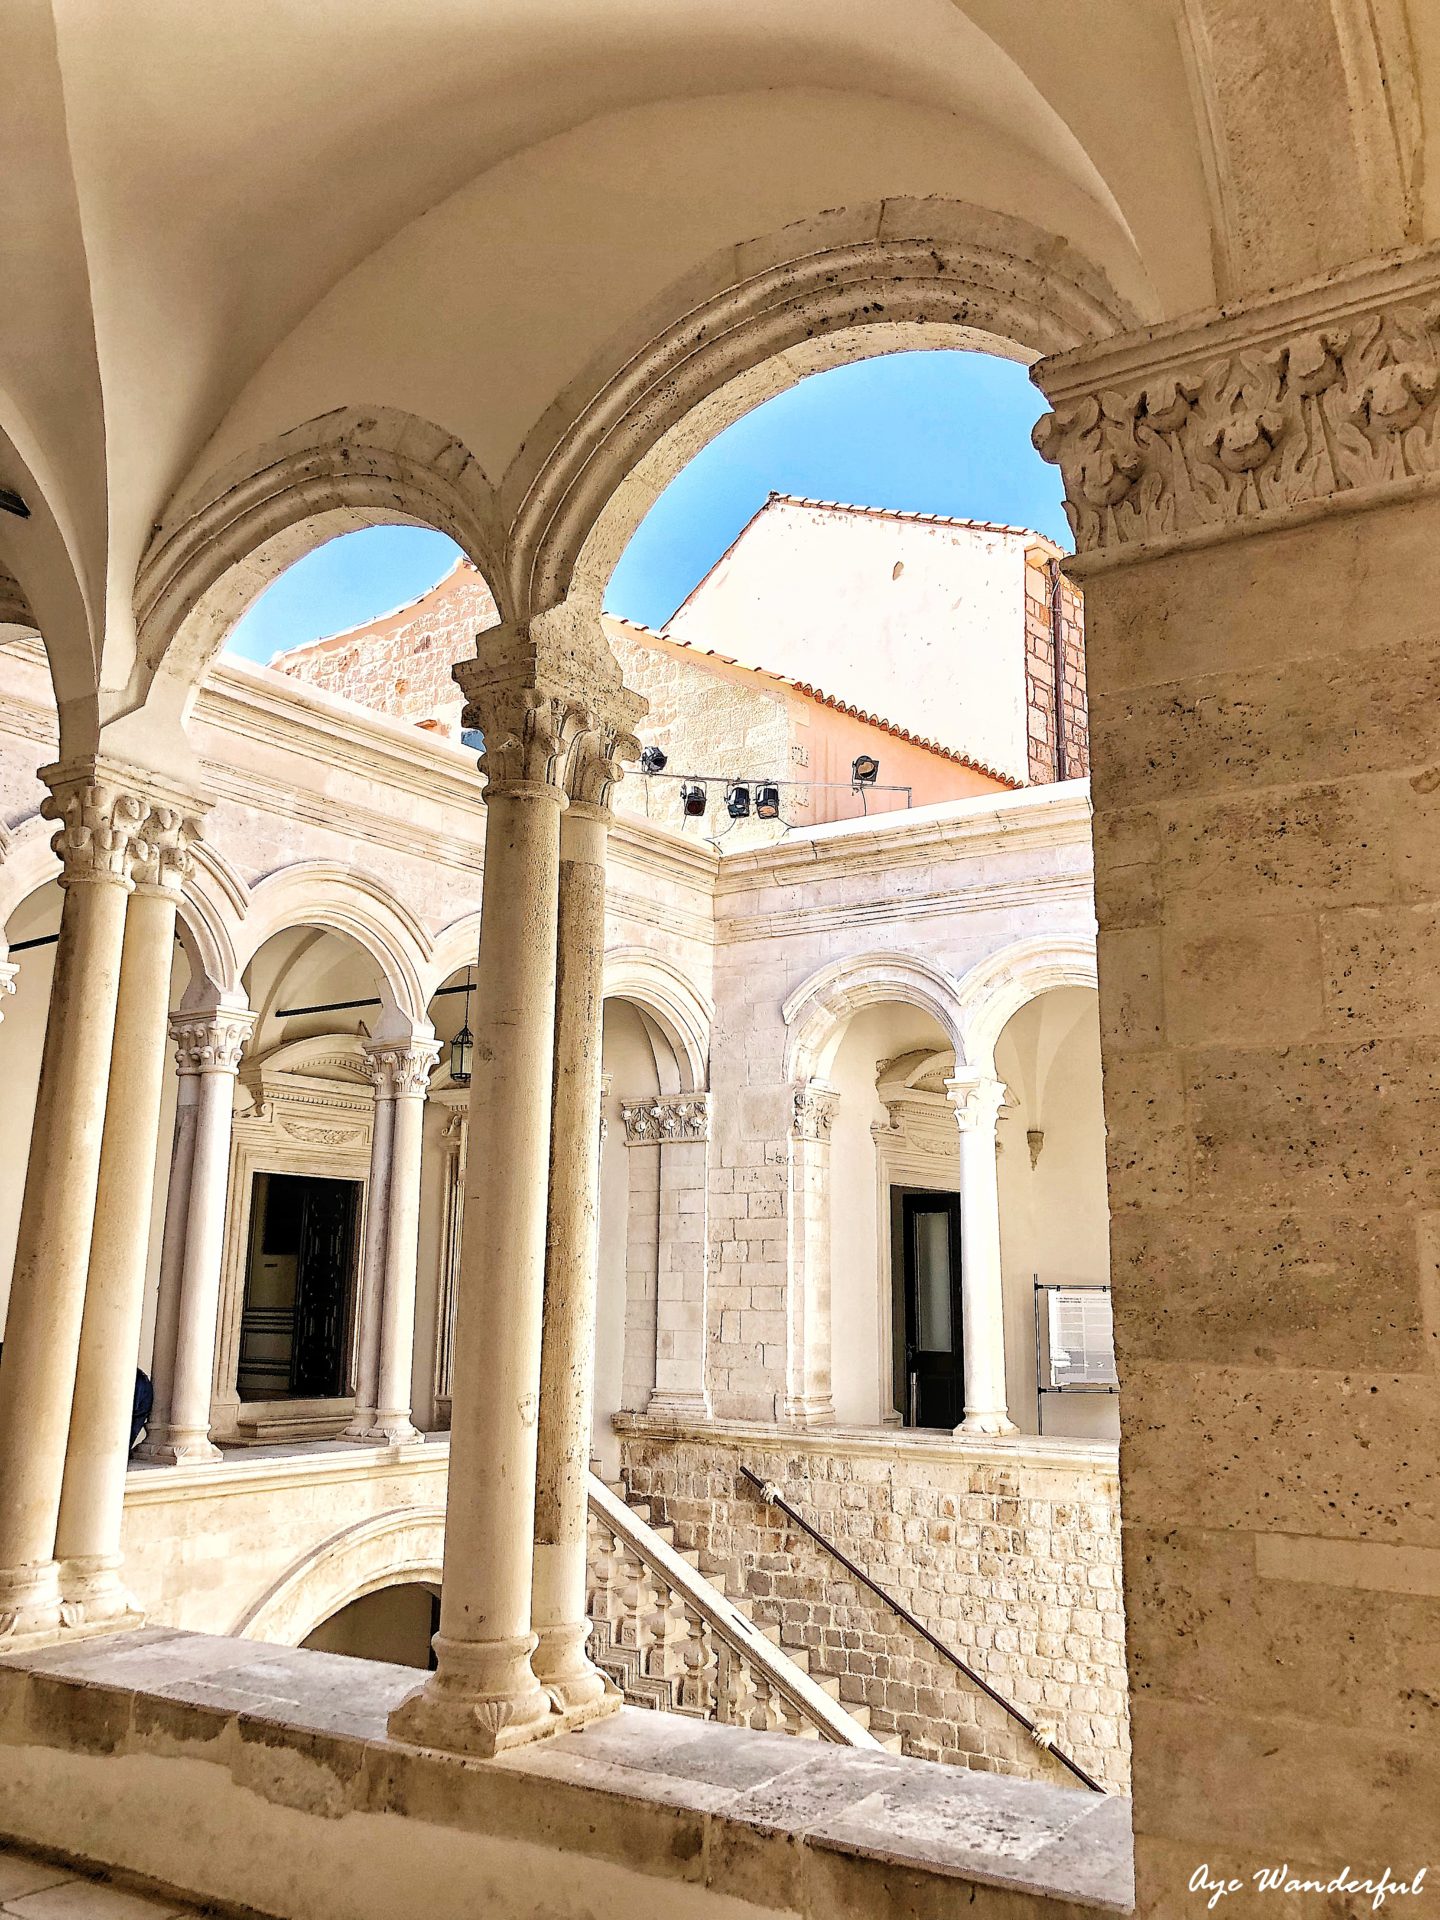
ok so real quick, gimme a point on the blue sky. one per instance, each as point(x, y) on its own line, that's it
point(925, 432)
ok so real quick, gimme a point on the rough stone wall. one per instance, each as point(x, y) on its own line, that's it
point(1014, 1564)
point(400, 664)
point(1267, 836)
point(1040, 674)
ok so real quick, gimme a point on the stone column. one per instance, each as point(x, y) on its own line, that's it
point(808, 1399)
point(977, 1099)
point(407, 1066)
point(567, 1367)
point(93, 1496)
point(209, 1045)
point(100, 811)
point(172, 1252)
point(1255, 506)
point(526, 693)
point(679, 1126)
point(372, 1257)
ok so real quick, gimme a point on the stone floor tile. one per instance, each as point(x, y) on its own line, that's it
point(20, 1873)
point(88, 1900)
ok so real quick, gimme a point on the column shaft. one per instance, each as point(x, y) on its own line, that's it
point(93, 1495)
point(409, 1070)
point(567, 1367)
point(47, 1294)
point(372, 1260)
point(484, 1693)
point(172, 1256)
point(215, 1043)
point(978, 1101)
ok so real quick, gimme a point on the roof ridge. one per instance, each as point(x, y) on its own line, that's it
point(906, 513)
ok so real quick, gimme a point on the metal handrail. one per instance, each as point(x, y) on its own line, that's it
point(773, 1497)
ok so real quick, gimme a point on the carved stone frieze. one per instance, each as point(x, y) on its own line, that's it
point(1322, 396)
point(210, 1042)
point(653, 1122)
point(813, 1112)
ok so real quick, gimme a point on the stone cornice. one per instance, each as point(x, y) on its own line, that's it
point(1319, 399)
point(1097, 1457)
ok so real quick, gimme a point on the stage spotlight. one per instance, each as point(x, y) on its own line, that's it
point(653, 759)
point(737, 803)
point(865, 770)
point(767, 803)
point(693, 801)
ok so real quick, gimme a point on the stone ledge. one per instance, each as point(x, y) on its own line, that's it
point(261, 1776)
point(1097, 1457)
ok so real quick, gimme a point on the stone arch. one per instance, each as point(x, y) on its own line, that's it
point(753, 320)
point(29, 861)
point(214, 900)
point(662, 993)
point(404, 1545)
point(455, 947)
point(996, 988)
point(819, 1010)
point(219, 546)
point(317, 893)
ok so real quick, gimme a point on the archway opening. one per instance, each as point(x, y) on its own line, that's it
point(1054, 1220)
point(394, 1624)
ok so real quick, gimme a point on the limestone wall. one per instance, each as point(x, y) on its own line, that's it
point(1009, 1554)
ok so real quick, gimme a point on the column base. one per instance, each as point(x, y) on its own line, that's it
point(362, 1427)
point(393, 1430)
point(96, 1596)
point(986, 1425)
point(31, 1608)
point(807, 1410)
point(572, 1680)
point(685, 1408)
point(180, 1447)
point(483, 1699)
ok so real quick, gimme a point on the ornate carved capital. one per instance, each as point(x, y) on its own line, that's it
point(113, 825)
point(814, 1112)
point(977, 1100)
point(401, 1067)
point(163, 854)
point(653, 1122)
point(1320, 398)
point(210, 1042)
point(548, 698)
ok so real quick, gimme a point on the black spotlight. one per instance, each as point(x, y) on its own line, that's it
point(767, 803)
point(693, 801)
point(737, 803)
point(653, 759)
point(865, 770)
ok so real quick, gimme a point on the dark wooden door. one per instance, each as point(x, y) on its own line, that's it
point(323, 1283)
point(934, 1384)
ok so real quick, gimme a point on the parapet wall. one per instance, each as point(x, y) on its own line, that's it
point(1008, 1551)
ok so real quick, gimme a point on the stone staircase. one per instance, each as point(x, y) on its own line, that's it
point(672, 1637)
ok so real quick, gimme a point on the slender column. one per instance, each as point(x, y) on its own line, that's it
point(172, 1253)
point(809, 1398)
point(978, 1099)
point(407, 1068)
point(484, 1695)
point(99, 814)
point(213, 1042)
point(567, 1368)
point(372, 1260)
point(93, 1495)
